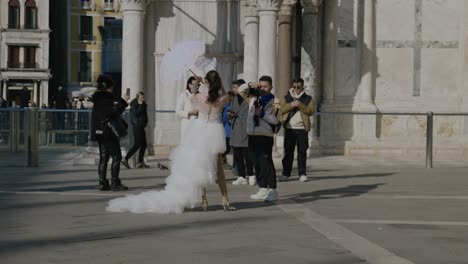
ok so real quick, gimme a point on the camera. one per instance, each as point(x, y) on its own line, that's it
point(254, 92)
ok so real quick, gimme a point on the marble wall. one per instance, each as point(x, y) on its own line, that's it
point(420, 67)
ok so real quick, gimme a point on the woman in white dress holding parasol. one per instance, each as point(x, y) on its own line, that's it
point(196, 161)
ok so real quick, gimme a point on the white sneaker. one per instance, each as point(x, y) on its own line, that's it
point(283, 178)
point(272, 195)
point(240, 181)
point(252, 180)
point(303, 178)
point(260, 195)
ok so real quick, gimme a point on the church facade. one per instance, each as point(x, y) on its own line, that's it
point(380, 57)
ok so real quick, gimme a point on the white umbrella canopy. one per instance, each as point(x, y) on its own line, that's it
point(180, 58)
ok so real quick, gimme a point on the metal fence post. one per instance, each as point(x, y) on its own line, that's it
point(14, 130)
point(429, 139)
point(32, 138)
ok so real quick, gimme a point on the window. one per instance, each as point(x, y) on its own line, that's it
point(13, 57)
point(86, 28)
point(30, 57)
point(108, 4)
point(31, 15)
point(13, 14)
point(85, 74)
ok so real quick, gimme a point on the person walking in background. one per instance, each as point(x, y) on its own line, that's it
point(297, 107)
point(3, 102)
point(105, 112)
point(239, 138)
point(24, 97)
point(61, 101)
point(139, 120)
point(186, 108)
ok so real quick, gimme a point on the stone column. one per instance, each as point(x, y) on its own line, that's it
point(4, 90)
point(311, 62)
point(329, 50)
point(284, 65)
point(328, 131)
point(21, 57)
point(268, 13)
point(132, 45)
point(22, 13)
point(364, 131)
point(44, 86)
point(250, 41)
point(35, 101)
point(310, 54)
point(367, 45)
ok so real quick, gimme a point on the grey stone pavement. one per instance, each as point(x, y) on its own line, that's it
point(352, 210)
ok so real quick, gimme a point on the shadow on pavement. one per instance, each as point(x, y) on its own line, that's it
point(16, 246)
point(340, 177)
point(349, 191)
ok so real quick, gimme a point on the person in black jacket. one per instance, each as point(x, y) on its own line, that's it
point(139, 120)
point(105, 111)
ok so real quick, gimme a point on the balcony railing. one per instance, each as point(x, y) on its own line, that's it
point(87, 37)
point(13, 65)
point(88, 5)
point(109, 6)
point(31, 65)
point(30, 26)
point(14, 26)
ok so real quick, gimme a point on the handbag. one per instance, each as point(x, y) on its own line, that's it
point(118, 127)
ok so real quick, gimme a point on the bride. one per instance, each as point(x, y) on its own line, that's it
point(196, 161)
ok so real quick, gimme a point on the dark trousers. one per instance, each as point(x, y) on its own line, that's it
point(243, 161)
point(260, 149)
point(293, 137)
point(139, 135)
point(228, 149)
point(109, 148)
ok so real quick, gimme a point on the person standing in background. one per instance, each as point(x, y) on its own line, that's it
point(186, 108)
point(139, 120)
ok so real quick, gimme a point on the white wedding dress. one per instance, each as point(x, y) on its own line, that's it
point(193, 166)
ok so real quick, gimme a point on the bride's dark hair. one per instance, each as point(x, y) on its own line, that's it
point(215, 86)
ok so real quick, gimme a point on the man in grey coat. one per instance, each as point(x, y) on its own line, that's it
point(239, 138)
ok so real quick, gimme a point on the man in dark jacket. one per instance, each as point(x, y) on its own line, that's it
point(139, 120)
point(105, 111)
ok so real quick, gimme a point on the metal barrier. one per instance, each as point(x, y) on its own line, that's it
point(32, 121)
point(429, 126)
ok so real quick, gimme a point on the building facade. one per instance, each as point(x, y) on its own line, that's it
point(95, 38)
point(24, 50)
point(372, 56)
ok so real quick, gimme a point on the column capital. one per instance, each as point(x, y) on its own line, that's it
point(250, 8)
point(268, 5)
point(311, 6)
point(134, 5)
point(286, 7)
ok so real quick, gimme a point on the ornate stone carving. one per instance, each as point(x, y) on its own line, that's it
point(311, 6)
point(135, 5)
point(268, 4)
point(286, 7)
point(250, 7)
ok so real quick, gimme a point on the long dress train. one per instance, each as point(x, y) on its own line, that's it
point(193, 167)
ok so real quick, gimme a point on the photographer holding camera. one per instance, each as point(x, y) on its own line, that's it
point(260, 119)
